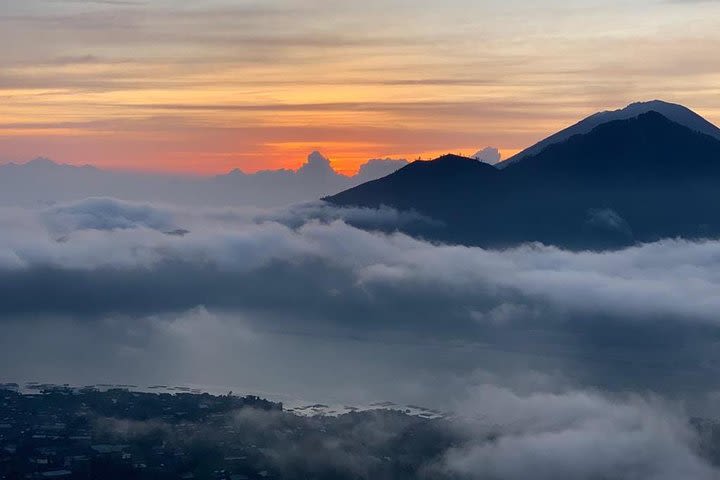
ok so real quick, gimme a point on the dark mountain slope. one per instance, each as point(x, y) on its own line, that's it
point(674, 112)
point(638, 179)
point(649, 147)
point(424, 184)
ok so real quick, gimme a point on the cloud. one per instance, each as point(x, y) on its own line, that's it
point(378, 168)
point(188, 40)
point(115, 3)
point(106, 214)
point(317, 165)
point(575, 434)
point(303, 287)
point(607, 222)
point(384, 219)
point(43, 181)
point(116, 257)
point(489, 155)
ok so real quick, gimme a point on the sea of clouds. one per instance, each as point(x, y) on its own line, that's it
point(582, 364)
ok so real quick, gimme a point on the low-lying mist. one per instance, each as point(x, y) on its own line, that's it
point(586, 364)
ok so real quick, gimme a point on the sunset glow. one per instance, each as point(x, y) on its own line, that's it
point(211, 85)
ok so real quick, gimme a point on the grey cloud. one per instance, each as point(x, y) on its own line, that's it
point(379, 167)
point(470, 109)
point(41, 181)
point(640, 318)
point(224, 27)
point(489, 155)
point(542, 431)
point(575, 434)
point(608, 221)
point(496, 432)
point(640, 282)
point(106, 214)
point(382, 219)
point(306, 268)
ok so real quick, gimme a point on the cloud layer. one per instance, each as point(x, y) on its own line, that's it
point(575, 434)
point(42, 181)
point(640, 282)
point(307, 269)
point(543, 355)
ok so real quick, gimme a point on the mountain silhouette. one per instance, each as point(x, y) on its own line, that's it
point(625, 181)
point(425, 186)
point(677, 113)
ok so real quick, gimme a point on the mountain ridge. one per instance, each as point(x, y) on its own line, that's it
point(42, 181)
point(621, 183)
point(674, 112)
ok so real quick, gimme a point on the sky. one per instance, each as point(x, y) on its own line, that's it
point(554, 364)
point(207, 86)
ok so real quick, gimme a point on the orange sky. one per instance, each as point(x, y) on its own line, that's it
point(213, 85)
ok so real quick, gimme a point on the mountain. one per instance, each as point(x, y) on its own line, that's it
point(423, 185)
point(377, 168)
point(625, 181)
point(645, 147)
point(677, 113)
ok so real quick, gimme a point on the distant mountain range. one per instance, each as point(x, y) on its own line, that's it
point(42, 181)
point(649, 171)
